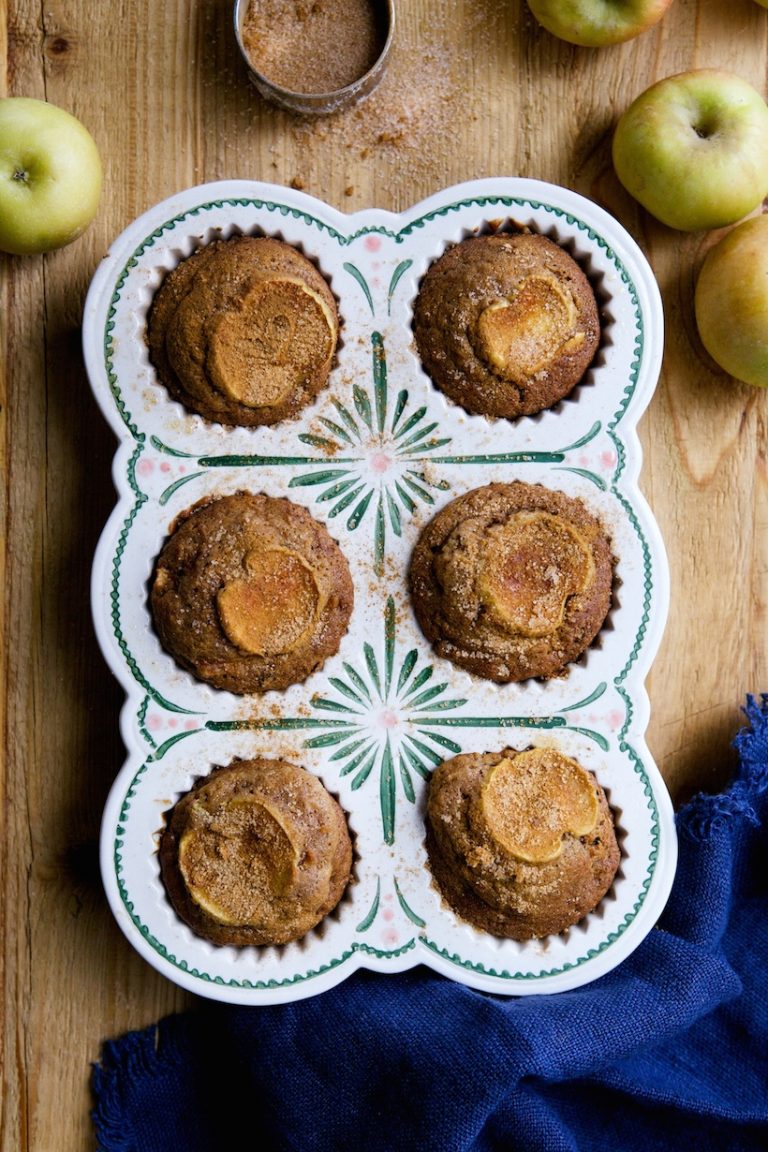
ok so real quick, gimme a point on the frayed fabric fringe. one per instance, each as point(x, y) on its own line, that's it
point(706, 814)
point(137, 1055)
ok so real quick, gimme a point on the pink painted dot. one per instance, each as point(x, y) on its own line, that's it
point(380, 462)
point(165, 466)
point(584, 460)
point(615, 718)
point(608, 458)
point(190, 725)
point(388, 897)
point(154, 723)
point(173, 722)
point(372, 243)
point(388, 718)
point(145, 467)
point(388, 914)
point(391, 936)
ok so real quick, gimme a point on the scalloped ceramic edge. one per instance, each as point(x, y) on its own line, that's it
point(374, 457)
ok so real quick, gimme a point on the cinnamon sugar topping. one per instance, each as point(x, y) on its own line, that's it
point(524, 333)
point(269, 611)
point(237, 858)
point(531, 802)
point(260, 352)
point(529, 567)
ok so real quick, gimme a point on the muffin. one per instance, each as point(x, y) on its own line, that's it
point(520, 844)
point(250, 593)
point(244, 331)
point(512, 581)
point(257, 853)
point(506, 325)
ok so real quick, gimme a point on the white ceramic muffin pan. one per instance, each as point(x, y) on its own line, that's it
point(377, 454)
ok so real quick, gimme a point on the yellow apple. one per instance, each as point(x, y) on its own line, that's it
point(693, 149)
point(731, 302)
point(50, 176)
point(596, 23)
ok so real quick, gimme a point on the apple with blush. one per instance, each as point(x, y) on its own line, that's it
point(693, 149)
point(50, 176)
point(731, 302)
point(597, 23)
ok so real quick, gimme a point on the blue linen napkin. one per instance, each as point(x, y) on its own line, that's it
point(668, 1051)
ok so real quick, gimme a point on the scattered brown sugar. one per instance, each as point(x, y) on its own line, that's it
point(313, 46)
point(406, 127)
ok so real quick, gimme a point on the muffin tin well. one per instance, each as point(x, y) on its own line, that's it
point(377, 453)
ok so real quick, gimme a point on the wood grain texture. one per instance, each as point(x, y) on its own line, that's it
point(475, 88)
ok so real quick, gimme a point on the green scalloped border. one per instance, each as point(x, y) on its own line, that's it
point(454, 958)
point(399, 237)
point(420, 222)
point(647, 588)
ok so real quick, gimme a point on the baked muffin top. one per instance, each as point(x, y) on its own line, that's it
point(506, 325)
point(512, 581)
point(521, 844)
point(250, 593)
point(256, 853)
point(244, 331)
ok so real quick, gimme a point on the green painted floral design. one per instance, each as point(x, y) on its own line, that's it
point(381, 706)
point(395, 279)
point(386, 716)
point(385, 471)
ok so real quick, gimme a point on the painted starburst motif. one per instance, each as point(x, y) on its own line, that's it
point(383, 707)
point(378, 457)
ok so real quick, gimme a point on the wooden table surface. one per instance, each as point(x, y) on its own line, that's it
point(475, 88)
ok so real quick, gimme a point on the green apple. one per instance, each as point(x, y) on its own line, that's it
point(50, 176)
point(731, 302)
point(693, 149)
point(596, 23)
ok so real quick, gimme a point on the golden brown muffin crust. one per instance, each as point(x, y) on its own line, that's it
point(512, 581)
point(244, 331)
point(521, 845)
point(257, 853)
point(506, 325)
point(250, 593)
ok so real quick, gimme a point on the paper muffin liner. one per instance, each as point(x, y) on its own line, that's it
point(374, 457)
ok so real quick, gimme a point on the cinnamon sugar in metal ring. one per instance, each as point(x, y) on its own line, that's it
point(284, 93)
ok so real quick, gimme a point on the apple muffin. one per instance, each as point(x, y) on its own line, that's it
point(520, 844)
point(512, 581)
point(250, 593)
point(244, 331)
point(256, 853)
point(506, 325)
